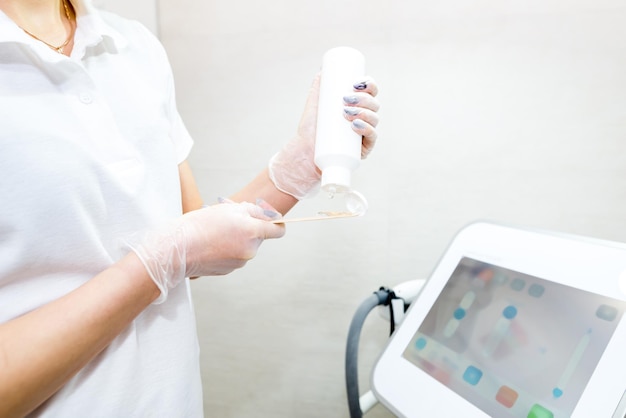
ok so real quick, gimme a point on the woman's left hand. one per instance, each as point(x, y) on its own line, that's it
point(293, 170)
point(360, 108)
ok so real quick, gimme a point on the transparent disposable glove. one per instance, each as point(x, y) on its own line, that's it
point(207, 242)
point(292, 169)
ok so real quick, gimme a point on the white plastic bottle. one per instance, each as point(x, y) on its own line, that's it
point(337, 146)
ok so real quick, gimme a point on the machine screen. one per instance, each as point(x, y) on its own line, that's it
point(512, 344)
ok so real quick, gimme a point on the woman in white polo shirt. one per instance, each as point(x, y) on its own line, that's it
point(95, 317)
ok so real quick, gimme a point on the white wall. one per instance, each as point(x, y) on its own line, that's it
point(145, 11)
point(513, 111)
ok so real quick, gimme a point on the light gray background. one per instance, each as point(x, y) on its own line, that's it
point(513, 111)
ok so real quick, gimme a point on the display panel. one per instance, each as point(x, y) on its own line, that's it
point(512, 344)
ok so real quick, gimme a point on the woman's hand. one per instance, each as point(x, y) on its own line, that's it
point(360, 108)
point(293, 170)
point(206, 242)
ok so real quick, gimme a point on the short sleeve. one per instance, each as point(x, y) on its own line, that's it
point(179, 135)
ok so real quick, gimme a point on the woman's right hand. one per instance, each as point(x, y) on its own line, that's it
point(211, 241)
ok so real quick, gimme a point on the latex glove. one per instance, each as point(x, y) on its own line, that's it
point(292, 169)
point(207, 242)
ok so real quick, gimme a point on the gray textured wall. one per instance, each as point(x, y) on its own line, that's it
point(511, 111)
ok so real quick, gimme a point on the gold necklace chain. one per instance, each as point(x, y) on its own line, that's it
point(59, 48)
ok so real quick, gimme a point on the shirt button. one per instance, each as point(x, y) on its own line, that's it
point(85, 98)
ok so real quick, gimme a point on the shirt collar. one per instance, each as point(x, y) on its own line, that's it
point(9, 31)
point(91, 30)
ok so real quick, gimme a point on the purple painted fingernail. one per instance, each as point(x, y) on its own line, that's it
point(352, 111)
point(266, 210)
point(351, 99)
point(271, 213)
point(360, 86)
point(359, 124)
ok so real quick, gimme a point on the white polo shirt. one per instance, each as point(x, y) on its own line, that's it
point(89, 149)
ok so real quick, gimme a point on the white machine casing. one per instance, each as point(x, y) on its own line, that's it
point(590, 265)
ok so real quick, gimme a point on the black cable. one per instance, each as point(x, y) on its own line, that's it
point(392, 317)
point(380, 297)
